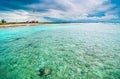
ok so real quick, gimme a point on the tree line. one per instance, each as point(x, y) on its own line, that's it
point(3, 21)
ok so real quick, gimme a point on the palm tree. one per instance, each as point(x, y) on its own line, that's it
point(3, 21)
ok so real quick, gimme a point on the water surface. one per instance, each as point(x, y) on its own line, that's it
point(71, 51)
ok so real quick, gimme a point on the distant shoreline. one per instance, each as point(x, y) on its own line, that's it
point(30, 24)
point(18, 24)
point(26, 24)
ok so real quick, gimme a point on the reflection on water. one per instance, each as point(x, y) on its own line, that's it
point(60, 51)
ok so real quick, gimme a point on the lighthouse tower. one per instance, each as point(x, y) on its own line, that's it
point(33, 17)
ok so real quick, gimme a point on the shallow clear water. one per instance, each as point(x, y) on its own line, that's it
point(71, 51)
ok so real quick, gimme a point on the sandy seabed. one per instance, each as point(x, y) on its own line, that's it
point(70, 51)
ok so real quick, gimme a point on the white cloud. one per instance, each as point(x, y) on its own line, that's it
point(20, 15)
point(80, 9)
point(69, 10)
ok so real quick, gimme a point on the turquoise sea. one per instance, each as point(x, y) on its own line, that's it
point(68, 51)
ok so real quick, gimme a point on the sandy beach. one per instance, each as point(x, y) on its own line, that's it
point(14, 25)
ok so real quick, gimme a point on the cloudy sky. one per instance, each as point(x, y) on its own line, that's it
point(60, 10)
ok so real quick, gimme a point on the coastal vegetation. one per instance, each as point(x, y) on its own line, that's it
point(3, 21)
